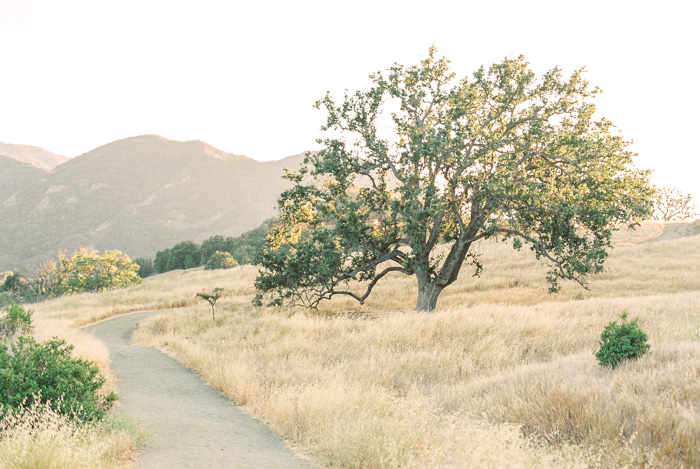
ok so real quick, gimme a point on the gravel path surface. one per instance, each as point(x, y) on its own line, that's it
point(192, 424)
point(675, 231)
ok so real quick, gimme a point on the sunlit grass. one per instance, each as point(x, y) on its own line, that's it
point(37, 437)
point(501, 375)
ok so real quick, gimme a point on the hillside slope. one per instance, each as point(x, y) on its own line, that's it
point(15, 176)
point(138, 195)
point(38, 157)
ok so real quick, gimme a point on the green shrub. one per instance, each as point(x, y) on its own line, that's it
point(213, 244)
point(620, 342)
point(145, 267)
point(15, 320)
point(160, 263)
point(33, 372)
point(184, 255)
point(13, 282)
point(220, 260)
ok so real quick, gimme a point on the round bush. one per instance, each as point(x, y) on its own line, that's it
point(46, 372)
point(220, 260)
point(620, 342)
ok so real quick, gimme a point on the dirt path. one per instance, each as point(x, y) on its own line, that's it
point(192, 425)
point(675, 231)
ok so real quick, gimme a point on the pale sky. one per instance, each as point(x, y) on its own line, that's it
point(243, 76)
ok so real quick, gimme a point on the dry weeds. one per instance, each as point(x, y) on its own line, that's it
point(502, 375)
point(38, 437)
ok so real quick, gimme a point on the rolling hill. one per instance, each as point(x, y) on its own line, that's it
point(38, 157)
point(14, 175)
point(138, 195)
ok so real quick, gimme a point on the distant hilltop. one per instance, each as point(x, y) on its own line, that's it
point(139, 195)
point(38, 157)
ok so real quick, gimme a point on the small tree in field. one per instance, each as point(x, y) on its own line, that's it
point(220, 260)
point(422, 165)
point(671, 204)
point(211, 298)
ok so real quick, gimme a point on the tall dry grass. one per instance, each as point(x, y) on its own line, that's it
point(502, 375)
point(38, 437)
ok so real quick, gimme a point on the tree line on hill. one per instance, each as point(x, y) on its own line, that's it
point(85, 270)
point(215, 252)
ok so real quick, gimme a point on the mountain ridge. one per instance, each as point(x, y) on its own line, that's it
point(139, 195)
point(36, 156)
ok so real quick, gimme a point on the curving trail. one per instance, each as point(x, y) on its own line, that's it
point(676, 231)
point(192, 424)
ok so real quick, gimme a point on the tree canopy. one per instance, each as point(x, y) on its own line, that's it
point(85, 270)
point(421, 165)
point(670, 204)
point(187, 254)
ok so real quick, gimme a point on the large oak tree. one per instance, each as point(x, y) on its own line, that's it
point(421, 165)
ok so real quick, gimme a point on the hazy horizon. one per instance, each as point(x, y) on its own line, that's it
point(243, 77)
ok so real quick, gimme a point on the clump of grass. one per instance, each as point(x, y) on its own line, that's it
point(38, 437)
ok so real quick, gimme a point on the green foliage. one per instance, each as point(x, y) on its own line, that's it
point(184, 255)
point(245, 248)
point(145, 267)
point(15, 319)
point(187, 254)
point(13, 282)
point(211, 298)
point(220, 260)
point(620, 342)
point(84, 271)
point(32, 371)
point(213, 244)
point(160, 263)
point(421, 159)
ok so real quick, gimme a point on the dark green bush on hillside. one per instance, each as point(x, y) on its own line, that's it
point(619, 342)
point(145, 267)
point(160, 263)
point(216, 243)
point(32, 371)
point(184, 255)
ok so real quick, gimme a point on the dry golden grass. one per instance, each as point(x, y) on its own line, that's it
point(502, 375)
point(40, 438)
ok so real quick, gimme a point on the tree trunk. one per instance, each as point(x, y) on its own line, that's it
point(428, 293)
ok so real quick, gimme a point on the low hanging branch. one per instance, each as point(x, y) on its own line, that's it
point(211, 298)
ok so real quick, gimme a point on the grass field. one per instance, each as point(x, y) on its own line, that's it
point(501, 375)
